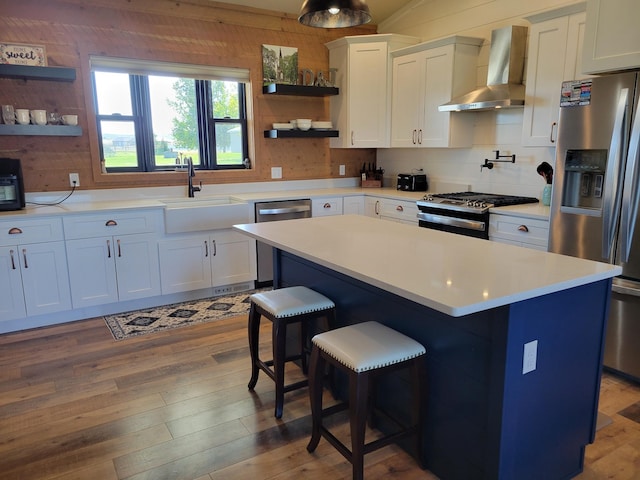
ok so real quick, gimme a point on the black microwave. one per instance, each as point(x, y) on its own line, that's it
point(11, 185)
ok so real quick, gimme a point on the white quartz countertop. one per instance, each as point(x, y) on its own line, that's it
point(454, 274)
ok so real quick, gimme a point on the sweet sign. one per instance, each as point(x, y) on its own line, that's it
point(19, 54)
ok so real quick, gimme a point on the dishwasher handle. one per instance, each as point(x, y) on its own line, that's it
point(283, 210)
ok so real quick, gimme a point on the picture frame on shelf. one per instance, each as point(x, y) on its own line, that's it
point(279, 65)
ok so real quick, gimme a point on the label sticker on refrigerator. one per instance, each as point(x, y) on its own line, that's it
point(575, 93)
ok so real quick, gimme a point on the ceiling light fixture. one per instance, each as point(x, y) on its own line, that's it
point(334, 13)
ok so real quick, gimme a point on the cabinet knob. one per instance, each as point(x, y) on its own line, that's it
point(14, 231)
point(111, 223)
point(523, 228)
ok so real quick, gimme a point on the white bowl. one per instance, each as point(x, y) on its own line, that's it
point(303, 123)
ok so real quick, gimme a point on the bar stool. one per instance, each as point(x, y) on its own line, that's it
point(364, 350)
point(284, 307)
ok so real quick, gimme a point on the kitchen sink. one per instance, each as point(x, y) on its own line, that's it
point(204, 213)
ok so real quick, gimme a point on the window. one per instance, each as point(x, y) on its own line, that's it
point(151, 116)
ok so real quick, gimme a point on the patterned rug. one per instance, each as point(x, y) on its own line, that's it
point(150, 320)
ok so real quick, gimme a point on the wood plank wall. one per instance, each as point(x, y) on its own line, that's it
point(193, 31)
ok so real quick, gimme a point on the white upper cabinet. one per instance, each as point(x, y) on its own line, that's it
point(424, 77)
point(612, 37)
point(555, 54)
point(361, 111)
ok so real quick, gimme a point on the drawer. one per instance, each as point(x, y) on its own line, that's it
point(517, 229)
point(399, 210)
point(111, 223)
point(18, 232)
point(321, 207)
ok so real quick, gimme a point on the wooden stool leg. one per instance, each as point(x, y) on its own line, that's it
point(358, 400)
point(254, 334)
point(279, 340)
point(316, 374)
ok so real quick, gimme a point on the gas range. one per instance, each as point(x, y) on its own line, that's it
point(471, 202)
point(465, 213)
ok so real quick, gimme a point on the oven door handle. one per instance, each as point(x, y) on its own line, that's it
point(452, 221)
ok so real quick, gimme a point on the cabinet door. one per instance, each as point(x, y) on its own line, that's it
point(372, 207)
point(45, 278)
point(92, 271)
point(184, 263)
point(137, 266)
point(368, 81)
point(399, 211)
point(233, 258)
point(322, 207)
point(545, 73)
point(12, 305)
point(353, 205)
point(437, 68)
point(575, 45)
point(406, 100)
point(612, 36)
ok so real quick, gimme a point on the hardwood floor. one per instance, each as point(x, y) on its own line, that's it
point(75, 404)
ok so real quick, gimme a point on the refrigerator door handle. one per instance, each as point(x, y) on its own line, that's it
point(630, 196)
point(610, 204)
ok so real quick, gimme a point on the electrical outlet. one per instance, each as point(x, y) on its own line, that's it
point(74, 180)
point(530, 357)
point(276, 172)
point(342, 170)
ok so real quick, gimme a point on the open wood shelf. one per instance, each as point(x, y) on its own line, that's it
point(29, 72)
point(299, 90)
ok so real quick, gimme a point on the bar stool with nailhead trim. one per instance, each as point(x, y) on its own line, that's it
point(364, 350)
point(283, 307)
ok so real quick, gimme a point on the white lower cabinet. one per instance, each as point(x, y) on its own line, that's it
point(33, 276)
point(110, 268)
point(353, 205)
point(401, 211)
point(197, 261)
point(521, 231)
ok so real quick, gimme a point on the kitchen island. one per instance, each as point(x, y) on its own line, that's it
point(514, 337)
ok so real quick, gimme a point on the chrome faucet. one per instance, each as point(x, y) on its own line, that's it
point(190, 174)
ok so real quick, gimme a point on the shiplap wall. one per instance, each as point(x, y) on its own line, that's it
point(431, 19)
point(192, 31)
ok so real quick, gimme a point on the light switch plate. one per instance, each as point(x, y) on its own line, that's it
point(530, 357)
point(342, 170)
point(276, 172)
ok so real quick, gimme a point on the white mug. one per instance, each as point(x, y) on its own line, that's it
point(22, 116)
point(38, 117)
point(70, 119)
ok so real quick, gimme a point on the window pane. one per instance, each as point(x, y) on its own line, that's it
point(229, 143)
point(224, 96)
point(119, 144)
point(113, 93)
point(173, 116)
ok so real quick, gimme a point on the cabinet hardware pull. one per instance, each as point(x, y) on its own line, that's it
point(326, 205)
point(414, 136)
point(420, 137)
point(215, 248)
point(108, 248)
point(523, 228)
point(24, 257)
point(119, 248)
point(13, 261)
point(111, 223)
point(14, 231)
point(206, 249)
point(377, 209)
point(553, 126)
point(399, 208)
point(351, 137)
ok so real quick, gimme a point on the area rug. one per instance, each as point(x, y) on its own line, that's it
point(150, 320)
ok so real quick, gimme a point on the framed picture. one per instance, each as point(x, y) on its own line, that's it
point(21, 54)
point(279, 64)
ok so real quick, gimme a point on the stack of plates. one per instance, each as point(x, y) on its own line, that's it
point(282, 126)
point(321, 125)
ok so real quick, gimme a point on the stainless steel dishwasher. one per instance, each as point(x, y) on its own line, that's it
point(270, 212)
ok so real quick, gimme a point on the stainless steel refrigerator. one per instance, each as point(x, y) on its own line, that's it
point(594, 209)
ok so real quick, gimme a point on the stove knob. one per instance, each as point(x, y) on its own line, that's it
point(428, 198)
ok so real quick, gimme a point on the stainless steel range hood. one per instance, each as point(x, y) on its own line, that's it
point(504, 79)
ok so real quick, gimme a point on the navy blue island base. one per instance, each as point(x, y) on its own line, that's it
point(485, 418)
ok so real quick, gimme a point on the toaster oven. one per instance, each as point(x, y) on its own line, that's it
point(410, 182)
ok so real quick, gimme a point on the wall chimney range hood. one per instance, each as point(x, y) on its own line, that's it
point(504, 77)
